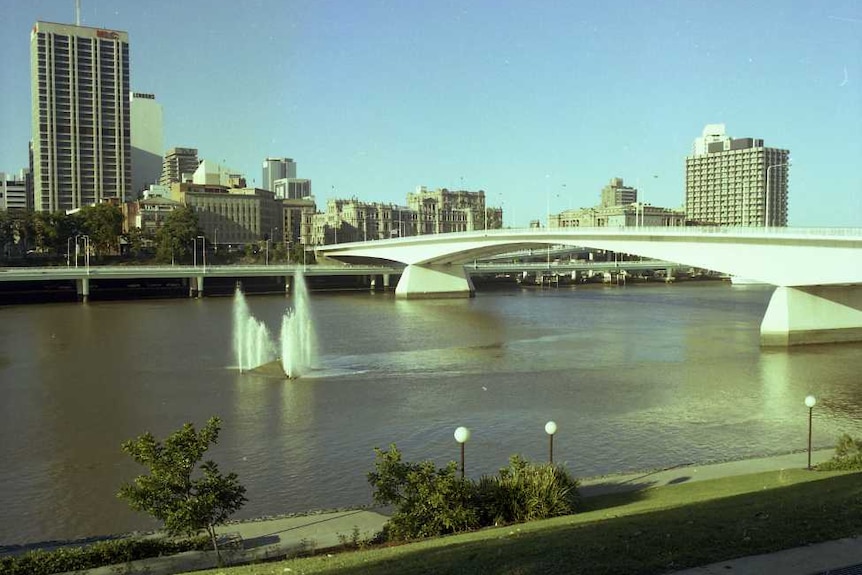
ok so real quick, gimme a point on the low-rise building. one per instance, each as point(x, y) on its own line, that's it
point(231, 216)
point(14, 191)
point(148, 214)
point(297, 221)
point(615, 210)
point(292, 188)
point(632, 215)
point(441, 211)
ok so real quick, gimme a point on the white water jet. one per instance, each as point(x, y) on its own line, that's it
point(251, 340)
point(298, 341)
point(254, 347)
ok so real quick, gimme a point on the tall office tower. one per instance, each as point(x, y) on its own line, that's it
point(80, 116)
point(617, 194)
point(736, 182)
point(178, 162)
point(276, 169)
point(147, 142)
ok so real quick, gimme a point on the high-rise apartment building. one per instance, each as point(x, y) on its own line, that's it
point(277, 169)
point(80, 115)
point(736, 182)
point(178, 162)
point(147, 142)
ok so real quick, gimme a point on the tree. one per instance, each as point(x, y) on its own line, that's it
point(428, 501)
point(175, 239)
point(7, 233)
point(136, 240)
point(169, 493)
point(104, 224)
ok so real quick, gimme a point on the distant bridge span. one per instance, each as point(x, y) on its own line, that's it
point(818, 271)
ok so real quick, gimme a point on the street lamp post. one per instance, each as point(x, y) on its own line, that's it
point(809, 403)
point(551, 429)
point(766, 214)
point(203, 250)
point(86, 242)
point(462, 434)
point(76, 249)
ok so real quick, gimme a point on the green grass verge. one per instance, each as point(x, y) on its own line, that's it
point(651, 531)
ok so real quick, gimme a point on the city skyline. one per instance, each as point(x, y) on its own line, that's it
point(539, 109)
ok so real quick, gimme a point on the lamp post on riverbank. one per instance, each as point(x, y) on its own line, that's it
point(203, 250)
point(551, 429)
point(462, 434)
point(809, 403)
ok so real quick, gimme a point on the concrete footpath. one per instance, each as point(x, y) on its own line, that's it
point(257, 540)
point(268, 538)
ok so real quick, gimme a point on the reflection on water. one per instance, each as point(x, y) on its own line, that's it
point(635, 378)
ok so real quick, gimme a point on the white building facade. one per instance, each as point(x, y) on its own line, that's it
point(147, 141)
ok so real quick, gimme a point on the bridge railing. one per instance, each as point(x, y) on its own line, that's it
point(737, 231)
point(692, 230)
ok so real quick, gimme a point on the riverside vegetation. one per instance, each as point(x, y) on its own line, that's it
point(430, 501)
point(646, 531)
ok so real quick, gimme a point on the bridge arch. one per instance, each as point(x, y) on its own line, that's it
point(818, 273)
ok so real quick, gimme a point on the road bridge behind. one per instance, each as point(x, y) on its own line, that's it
point(818, 272)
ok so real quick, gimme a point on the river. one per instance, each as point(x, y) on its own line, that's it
point(636, 377)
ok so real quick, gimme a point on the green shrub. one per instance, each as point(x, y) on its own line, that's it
point(428, 501)
point(848, 455)
point(526, 491)
point(101, 553)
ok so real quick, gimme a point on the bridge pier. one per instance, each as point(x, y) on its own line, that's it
point(813, 314)
point(196, 286)
point(379, 282)
point(83, 287)
point(434, 281)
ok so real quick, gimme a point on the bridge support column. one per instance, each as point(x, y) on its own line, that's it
point(421, 281)
point(385, 281)
point(196, 286)
point(813, 314)
point(83, 287)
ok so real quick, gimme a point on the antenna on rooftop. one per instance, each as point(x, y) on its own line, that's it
point(77, 12)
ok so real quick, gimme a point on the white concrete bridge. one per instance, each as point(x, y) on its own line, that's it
point(818, 272)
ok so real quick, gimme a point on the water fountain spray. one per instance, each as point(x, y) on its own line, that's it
point(254, 347)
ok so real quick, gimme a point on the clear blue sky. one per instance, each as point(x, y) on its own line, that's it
point(537, 103)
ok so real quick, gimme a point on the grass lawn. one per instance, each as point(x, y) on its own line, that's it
point(651, 531)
